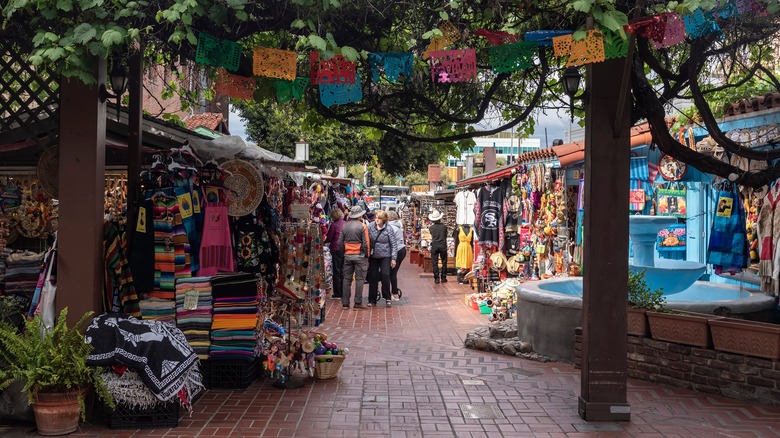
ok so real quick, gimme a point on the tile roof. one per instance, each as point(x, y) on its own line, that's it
point(206, 120)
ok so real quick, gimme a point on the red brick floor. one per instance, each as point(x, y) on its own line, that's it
point(408, 373)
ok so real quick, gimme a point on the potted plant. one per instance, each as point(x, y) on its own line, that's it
point(52, 365)
point(10, 311)
point(641, 299)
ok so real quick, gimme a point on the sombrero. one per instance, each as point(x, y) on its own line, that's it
point(498, 261)
point(435, 216)
point(513, 265)
point(49, 171)
point(246, 187)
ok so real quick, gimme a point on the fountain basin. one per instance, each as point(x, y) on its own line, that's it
point(548, 311)
point(674, 276)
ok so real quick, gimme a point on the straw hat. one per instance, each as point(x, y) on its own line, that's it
point(498, 261)
point(435, 216)
point(513, 265)
point(49, 171)
point(246, 187)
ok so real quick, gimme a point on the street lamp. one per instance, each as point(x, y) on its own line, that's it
point(571, 84)
point(380, 185)
point(302, 150)
point(118, 80)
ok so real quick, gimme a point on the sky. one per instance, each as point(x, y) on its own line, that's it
point(556, 122)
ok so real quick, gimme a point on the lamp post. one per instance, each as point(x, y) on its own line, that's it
point(571, 84)
point(380, 185)
point(118, 79)
point(302, 150)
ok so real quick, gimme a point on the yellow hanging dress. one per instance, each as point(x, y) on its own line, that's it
point(465, 255)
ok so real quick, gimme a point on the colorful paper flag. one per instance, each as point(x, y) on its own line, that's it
point(587, 51)
point(234, 86)
point(545, 37)
point(507, 58)
point(289, 90)
point(449, 35)
point(496, 38)
point(673, 31)
point(393, 66)
point(615, 47)
point(337, 70)
point(275, 63)
point(697, 25)
point(341, 94)
point(218, 53)
point(449, 66)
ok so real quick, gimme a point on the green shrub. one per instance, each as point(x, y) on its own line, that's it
point(641, 296)
point(52, 360)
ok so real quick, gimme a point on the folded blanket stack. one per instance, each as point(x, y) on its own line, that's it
point(22, 270)
point(234, 330)
point(193, 312)
point(158, 309)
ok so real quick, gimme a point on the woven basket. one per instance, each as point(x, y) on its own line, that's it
point(330, 368)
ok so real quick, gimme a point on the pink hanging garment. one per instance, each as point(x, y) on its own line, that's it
point(216, 248)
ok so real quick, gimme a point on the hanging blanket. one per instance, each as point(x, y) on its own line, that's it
point(728, 250)
point(158, 352)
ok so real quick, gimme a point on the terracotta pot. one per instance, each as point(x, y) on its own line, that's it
point(637, 322)
point(680, 328)
point(746, 337)
point(57, 413)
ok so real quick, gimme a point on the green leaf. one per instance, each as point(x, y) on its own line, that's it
point(455, 4)
point(111, 37)
point(579, 35)
point(331, 40)
point(242, 15)
point(83, 33)
point(614, 20)
point(350, 53)
point(298, 24)
point(186, 19)
point(317, 42)
point(65, 5)
point(335, 3)
point(443, 15)
point(427, 35)
point(191, 38)
point(582, 5)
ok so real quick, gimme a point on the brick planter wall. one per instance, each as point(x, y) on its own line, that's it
point(699, 369)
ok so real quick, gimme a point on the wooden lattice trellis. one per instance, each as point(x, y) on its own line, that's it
point(29, 100)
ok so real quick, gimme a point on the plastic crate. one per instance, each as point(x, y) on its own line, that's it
point(161, 416)
point(229, 374)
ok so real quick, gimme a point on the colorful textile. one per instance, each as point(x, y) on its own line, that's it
point(119, 291)
point(728, 248)
point(216, 250)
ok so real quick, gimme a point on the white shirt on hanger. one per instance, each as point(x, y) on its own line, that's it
point(465, 201)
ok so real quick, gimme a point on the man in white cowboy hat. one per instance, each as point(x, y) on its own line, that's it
point(438, 246)
point(355, 241)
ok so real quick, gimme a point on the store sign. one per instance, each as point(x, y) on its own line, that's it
point(671, 203)
point(417, 188)
point(299, 211)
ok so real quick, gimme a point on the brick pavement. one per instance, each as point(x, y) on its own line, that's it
point(408, 376)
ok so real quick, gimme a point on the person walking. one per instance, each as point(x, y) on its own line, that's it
point(355, 240)
point(382, 260)
point(398, 230)
point(438, 246)
point(336, 251)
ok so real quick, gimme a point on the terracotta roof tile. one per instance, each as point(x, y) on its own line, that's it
point(207, 120)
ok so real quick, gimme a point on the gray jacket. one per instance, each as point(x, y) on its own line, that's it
point(399, 234)
point(383, 244)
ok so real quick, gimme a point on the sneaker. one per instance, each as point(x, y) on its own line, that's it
point(371, 304)
point(436, 280)
point(359, 306)
point(345, 307)
point(389, 302)
point(335, 297)
point(396, 298)
point(444, 279)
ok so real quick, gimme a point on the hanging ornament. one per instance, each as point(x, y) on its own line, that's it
point(496, 38)
point(697, 25)
point(237, 87)
point(337, 70)
point(275, 63)
point(453, 66)
point(449, 35)
point(507, 58)
point(615, 47)
point(670, 168)
point(218, 53)
point(642, 26)
point(289, 90)
point(393, 66)
point(587, 51)
point(341, 94)
point(545, 37)
point(673, 32)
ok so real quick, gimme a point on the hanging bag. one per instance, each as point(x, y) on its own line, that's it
point(728, 249)
point(46, 307)
point(637, 198)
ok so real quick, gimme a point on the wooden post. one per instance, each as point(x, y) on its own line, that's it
point(82, 183)
point(134, 138)
point(605, 258)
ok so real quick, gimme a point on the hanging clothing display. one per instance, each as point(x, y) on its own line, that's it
point(119, 289)
point(768, 231)
point(465, 201)
point(142, 258)
point(216, 250)
point(728, 250)
point(489, 213)
point(465, 254)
